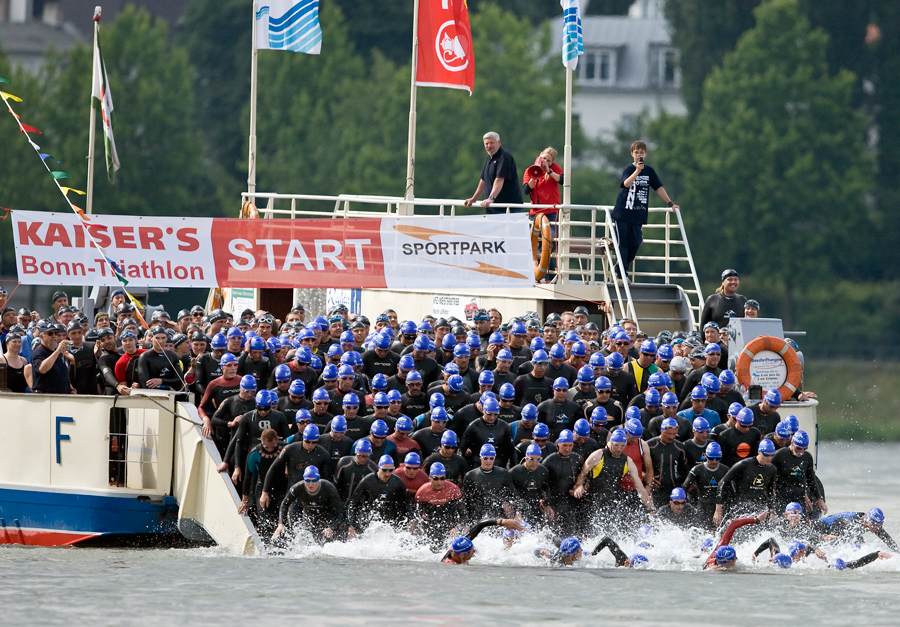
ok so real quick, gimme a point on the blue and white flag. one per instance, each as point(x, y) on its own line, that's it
point(289, 25)
point(572, 39)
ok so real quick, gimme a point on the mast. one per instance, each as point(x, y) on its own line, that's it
point(251, 174)
point(411, 141)
point(92, 135)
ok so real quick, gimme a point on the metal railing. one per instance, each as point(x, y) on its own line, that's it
point(587, 250)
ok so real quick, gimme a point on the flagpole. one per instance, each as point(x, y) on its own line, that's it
point(567, 150)
point(92, 133)
point(251, 174)
point(92, 136)
point(411, 141)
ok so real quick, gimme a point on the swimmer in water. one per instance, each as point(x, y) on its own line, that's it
point(462, 550)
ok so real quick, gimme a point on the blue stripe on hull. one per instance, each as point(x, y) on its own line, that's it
point(87, 513)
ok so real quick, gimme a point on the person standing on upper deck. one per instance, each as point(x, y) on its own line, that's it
point(631, 210)
point(499, 178)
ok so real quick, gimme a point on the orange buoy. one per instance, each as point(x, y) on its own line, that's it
point(540, 229)
point(784, 350)
point(249, 210)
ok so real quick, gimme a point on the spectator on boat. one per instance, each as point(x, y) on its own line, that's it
point(726, 302)
point(59, 300)
point(15, 364)
point(499, 178)
point(541, 182)
point(50, 369)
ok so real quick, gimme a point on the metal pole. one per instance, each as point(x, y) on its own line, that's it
point(411, 141)
point(251, 174)
point(92, 135)
point(565, 214)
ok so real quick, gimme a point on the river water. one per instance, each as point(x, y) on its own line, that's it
point(386, 578)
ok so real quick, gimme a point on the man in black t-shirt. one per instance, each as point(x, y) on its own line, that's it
point(499, 178)
point(631, 210)
point(50, 368)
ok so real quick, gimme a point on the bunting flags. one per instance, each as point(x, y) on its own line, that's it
point(572, 39)
point(101, 99)
point(58, 175)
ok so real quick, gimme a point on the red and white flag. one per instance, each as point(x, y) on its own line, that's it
point(445, 57)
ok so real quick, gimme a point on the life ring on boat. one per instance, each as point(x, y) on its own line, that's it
point(784, 350)
point(249, 210)
point(540, 229)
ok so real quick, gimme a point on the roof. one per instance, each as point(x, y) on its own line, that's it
point(631, 37)
point(33, 38)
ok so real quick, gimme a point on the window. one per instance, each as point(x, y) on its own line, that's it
point(597, 67)
point(665, 70)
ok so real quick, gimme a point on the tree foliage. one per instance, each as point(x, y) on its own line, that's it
point(775, 164)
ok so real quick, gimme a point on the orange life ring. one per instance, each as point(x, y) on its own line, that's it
point(541, 227)
point(782, 348)
point(249, 210)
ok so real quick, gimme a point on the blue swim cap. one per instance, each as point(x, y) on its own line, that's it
point(783, 429)
point(706, 545)
point(795, 547)
point(461, 545)
point(569, 546)
point(436, 400)
point(615, 361)
point(490, 405)
point(649, 347)
point(379, 382)
point(449, 439)
point(698, 393)
point(282, 372)
point(783, 560)
point(734, 408)
point(618, 436)
point(773, 398)
point(385, 460)
point(639, 561)
point(713, 450)
point(461, 350)
point(582, 428)
point(541, 430)
point(726, 377)
point(507, 392)
point(745, 417)
point(439, 414)
point(486, 378)
point(838, 564)
point(599, 415)
point(793, 508)
point(560, 383)
point(677, 495)
point(321, 394)
point(455, 383)
point(339, 424)
point(634, 427)
point(262, 398)
point(795, 424)
point(651, 398)
point(403, 423)
point(350, 399)
point(311, 473)
point(248, 381)
point(413, 376)
point(597, 360)
point(579, 349)
point(875, 516)
point(362, 446)
point(669, 423)
point(565, 436)
point(412, 459)
point(603, 383)
point(725, 554)
point(767, 447)
point(585, 375)
point(633, 413)
point(701, 424)
point(557, 351)
point(533, 449)
point(219, 341)
point(529, 412)
point(297, 388)
point(311, 433)
point(487, 450)
point(227, 358)
point(669, 399)
point(801, 439)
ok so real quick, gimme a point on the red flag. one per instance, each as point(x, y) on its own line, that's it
point(30, 129)
point(445, 57)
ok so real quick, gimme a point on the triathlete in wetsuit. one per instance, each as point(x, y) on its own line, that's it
point(797, 474)
point(740, 441)
point(723, 556)
point(564, 467)
point(849, 527)
point(251, 426)
point(439, 506)
point(752, 481)
point(228, 414)
point(531, 481)
point(456, 467)
point(313, 503)
point(159, 368)
point(677, 511)
point(488, 490)
point(258, 462)
point(350, 470)
point(534, 387)
point(670, 463)
point(488, 429)
point(381, 494)
point(704, 479)
point(336, 443)
point(559, 412)
point(462, 549)
point(293, 460)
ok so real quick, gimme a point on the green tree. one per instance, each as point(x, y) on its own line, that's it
point(777, 162)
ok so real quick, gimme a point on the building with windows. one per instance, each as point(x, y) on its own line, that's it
point(629, 65)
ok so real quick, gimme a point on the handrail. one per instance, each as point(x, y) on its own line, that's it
point(313, 205)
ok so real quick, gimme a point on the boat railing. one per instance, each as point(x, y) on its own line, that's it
point(587, 248)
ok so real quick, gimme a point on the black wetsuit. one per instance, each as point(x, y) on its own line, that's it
point(563, 473)
point(474, 530)
point(414, 405)
point(532, 487)
point(260, 369)
point(764, 423)
point(686, 518)
point(294, 459)
point(558, 416)
point(313, 511)
point(388, 500)
point(796, 478)
point(206, 369)
point(258, 463)
point(455, 466)
point(479, 433)
point(486, 491)
point(604, 480)
point(703, 483)
point(608, 543)
point(336, 449)
point(232, 407)
point(83, 373)
point(530, 389)
point(250, 429)
point(624, 387)
point(670, 467)
point(695, 452)
point(429, 441)
point(165, 366)
point(289, 409)
point(587, 447)
point(106, 366)
point(753, 484)
point(737, 446)
point(510, 414)
point(849, 526)
point(654, 428)
point(719, 308)
point(348, 474)
point(358, 427)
